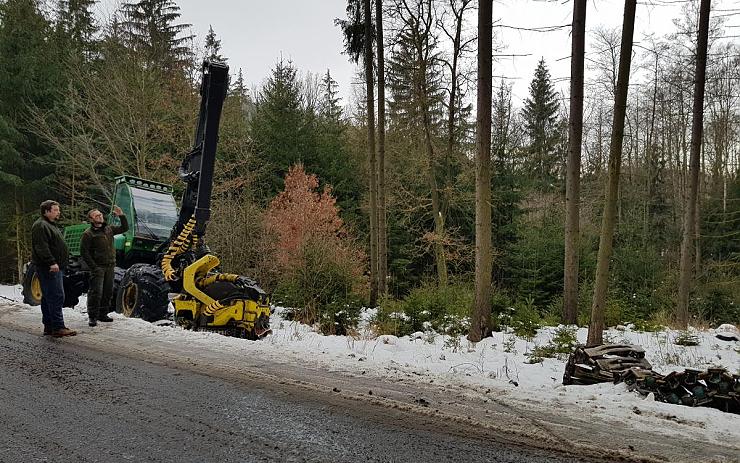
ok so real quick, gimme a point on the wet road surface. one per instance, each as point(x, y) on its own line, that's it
point(63, 401)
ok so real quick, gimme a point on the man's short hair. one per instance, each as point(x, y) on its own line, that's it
point(89, 213)
point(47, 205)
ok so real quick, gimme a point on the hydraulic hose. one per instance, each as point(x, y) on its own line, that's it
point(180, 245)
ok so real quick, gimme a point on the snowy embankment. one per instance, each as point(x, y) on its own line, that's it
point(498, 363)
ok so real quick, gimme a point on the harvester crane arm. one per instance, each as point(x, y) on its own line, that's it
point(196, 171)
point(197, 166)
point(208, 299)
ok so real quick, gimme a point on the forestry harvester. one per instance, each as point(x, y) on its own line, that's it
point(164, 251)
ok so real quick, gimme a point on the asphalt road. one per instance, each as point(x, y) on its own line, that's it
point(64, 401)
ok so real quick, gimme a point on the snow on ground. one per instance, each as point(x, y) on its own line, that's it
point(499, 363)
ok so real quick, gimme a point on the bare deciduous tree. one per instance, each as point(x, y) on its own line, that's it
point(573, 176)
point(690, 220)
point(596, 326)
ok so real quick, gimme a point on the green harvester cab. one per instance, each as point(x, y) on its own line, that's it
point(151, 212)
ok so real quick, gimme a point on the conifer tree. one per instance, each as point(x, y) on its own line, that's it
point(239, 88)
point(150, 27)
point(330, 107)
point(213, 46)
point(540, 119)
point(281, 128)
point(29, 76)
point(414, 79)
point(76, 29)
point(239, 91)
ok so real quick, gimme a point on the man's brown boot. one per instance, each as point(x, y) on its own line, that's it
point(61, 332)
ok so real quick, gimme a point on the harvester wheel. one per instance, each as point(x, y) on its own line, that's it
point(118, 273)
point(75, 282)
point(31, 286)
point(143, 293)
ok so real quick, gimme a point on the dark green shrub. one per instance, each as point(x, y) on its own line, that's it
point(428, 307)
point(526, 319)
point(502, 308)
point(322, 289)
point(716, 306)
point(533, 264)
point(560, 346)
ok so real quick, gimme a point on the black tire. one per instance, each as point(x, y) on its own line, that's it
point(143, 293)
point(72, 295)
point(118, 273)
point(75, 281)
point(31, 286)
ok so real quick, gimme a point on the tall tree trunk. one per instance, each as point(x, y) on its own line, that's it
point(420, 25)
point(372, 168)
point(600, 146)
point(452, 114)
point(423, 90)
point(573, 176)
point(18, 233)
point(689, 223)
point(651, 162)
point(596, 327)
point(697, 235)
point(382, 224)
point(452, 108)
point(480, 324)
point(439, 224)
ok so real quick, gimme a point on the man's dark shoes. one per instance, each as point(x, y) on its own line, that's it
point(61, 332)
point(104, 318)
point(92, 321)
point(47, 330)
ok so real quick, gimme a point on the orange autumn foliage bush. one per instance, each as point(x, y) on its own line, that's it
point(318, 266)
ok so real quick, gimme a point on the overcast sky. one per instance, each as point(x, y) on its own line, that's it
point(254, 34)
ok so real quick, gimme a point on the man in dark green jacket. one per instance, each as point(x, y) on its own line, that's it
point(96, 248)
point(49, 256)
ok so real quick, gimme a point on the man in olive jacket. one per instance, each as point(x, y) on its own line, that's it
point(96, 248)
point(49, 255)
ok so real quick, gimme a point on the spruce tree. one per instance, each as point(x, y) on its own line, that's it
point(30, 75)
point(353, 30)
point(540, 115)
point(76, 29)
point(213, 46)
point(416, 106)
point(335, 164)
point(505, 183)
point(150, 27)
point(239, 91)
point(409, 82)
point(281, 127)
point(330, 108)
